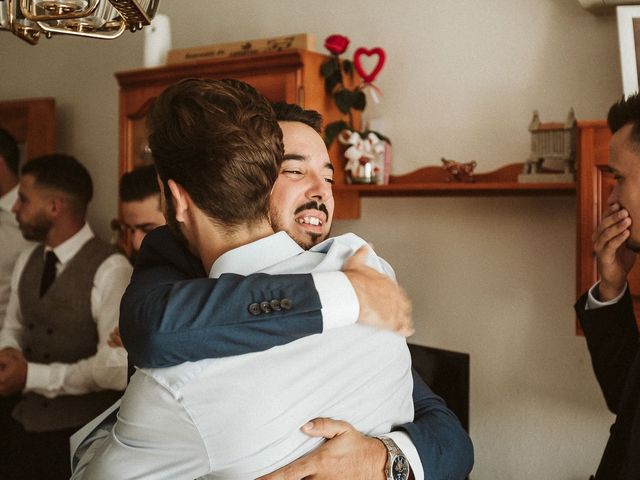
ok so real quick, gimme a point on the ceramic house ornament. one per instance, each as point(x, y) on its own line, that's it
point(553, 151)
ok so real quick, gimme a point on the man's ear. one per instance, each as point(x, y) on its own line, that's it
point(56, 203)
point(181, 200)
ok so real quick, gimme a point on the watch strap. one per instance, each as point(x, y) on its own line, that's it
point(393, 451)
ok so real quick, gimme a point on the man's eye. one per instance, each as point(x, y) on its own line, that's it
point(293, 172)
point(618, 178)
point(330, 180)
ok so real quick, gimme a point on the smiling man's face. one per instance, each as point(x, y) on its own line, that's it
point(302, 201)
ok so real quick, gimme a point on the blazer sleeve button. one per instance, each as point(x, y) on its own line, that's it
point(275, 305)
point(286, 304)
point(265, 307)
point(254, 309)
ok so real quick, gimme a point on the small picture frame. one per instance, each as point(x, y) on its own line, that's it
point(628, 18)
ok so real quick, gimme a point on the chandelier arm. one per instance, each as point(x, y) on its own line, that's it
point(24, 6)
point(97, 34)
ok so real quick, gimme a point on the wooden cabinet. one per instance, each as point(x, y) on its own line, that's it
point(291, 76)
point(32, 124)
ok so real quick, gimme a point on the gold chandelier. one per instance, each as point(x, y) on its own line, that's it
point(106, 19)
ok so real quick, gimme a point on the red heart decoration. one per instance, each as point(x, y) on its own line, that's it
point(369, 77)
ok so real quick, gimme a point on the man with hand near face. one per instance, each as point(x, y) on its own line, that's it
point(606, 310)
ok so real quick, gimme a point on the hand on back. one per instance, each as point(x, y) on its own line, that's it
point(383, 303)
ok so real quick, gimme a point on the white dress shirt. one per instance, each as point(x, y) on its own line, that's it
point(240, 417)
point(107, 369)
point(593, 302)
point(11, 244)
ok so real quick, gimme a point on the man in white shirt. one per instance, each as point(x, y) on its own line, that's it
point(140, 205)
point(217, 148)
point(11, 239)
point(65, 294)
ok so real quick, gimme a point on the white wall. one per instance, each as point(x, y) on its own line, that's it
point(490, 276)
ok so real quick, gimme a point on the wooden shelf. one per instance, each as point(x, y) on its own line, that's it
point(434, 181)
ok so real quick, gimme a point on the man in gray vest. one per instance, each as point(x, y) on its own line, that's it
point(64, 301)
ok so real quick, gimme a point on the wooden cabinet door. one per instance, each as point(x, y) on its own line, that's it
point(594, 187)
point(32, 124)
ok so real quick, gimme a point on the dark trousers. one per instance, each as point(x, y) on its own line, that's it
point(31, 455)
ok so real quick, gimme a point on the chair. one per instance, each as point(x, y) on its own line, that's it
point(447, 374)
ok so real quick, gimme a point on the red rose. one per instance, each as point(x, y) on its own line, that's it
point(336, 44)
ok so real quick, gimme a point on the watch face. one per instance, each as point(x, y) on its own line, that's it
point(400, 468)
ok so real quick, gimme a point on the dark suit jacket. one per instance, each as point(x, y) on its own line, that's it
point(170, 314)
point(612, 338)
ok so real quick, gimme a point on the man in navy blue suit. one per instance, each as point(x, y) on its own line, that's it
point(169, 317)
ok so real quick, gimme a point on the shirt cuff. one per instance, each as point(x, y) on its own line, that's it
point(592, 303)
point(408, 448)
point(340, 305)
point(37, 377)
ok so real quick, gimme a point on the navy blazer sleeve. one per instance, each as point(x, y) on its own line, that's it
point(445, 449)
point(612, 339)
point(172, 313)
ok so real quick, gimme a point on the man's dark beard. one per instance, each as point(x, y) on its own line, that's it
point(36, 231)
point(633, 246)
point(313, 206)
point(312, 238)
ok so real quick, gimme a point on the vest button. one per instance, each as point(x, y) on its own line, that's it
point(45, 404)
point(46, 356)
point(27, 350)
point(31, 326)
point(49, 331)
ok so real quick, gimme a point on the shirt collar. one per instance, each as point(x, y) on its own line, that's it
point(8, 199)
point(68, 249)
point(256, 256)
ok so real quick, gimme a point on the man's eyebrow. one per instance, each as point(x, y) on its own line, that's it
point(294, 156)
point(302, 158)
point(609, 169)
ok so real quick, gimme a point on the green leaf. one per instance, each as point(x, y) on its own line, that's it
point(331, 81)
point(328, 68)
point(347, 66)
point(332, 130)
point(345, 99)
point(360, 100)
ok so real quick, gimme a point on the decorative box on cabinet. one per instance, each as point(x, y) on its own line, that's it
point(291, 76)
point(594, 186)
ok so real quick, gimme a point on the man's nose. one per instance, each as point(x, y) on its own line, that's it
point(320, 189)
point(136, 239)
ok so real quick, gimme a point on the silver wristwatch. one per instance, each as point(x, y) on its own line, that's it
point(397, 467)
